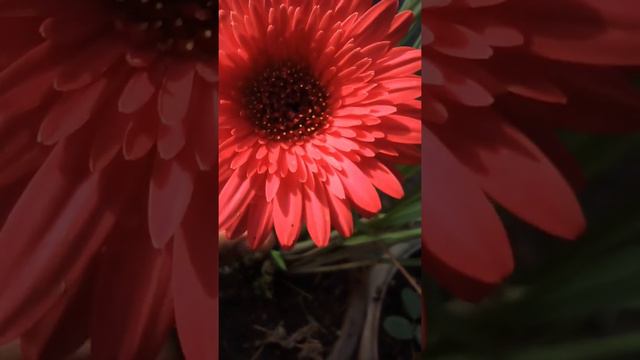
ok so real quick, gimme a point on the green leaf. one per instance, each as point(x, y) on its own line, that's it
point(412, 303)
point(279, 260)
point(407, 211)
point(399, 327)
point(386, 238)
point(417, 42)
point(406, 215)
point(409, 170)
point(414, 5)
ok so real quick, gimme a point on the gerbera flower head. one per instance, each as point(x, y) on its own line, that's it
point(108, 130)
point(501, 77)
point(317, 102)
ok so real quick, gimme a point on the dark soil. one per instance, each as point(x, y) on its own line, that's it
point(268, 314)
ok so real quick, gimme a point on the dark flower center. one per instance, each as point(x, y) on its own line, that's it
point(180, 27)
point(286, 103)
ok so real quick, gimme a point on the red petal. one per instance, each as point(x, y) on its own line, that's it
point(169, 195)
point(382, 178)
point(63, 329)
point(516, 174)
point(461, 230)
point(136, 93)
point(287, 211)
point(133, 308)
point(70, 113)
point(359, 187)
point(55, 219)
point(175, 94)
point(316, 210)
point(195, 279)
point(341, 216)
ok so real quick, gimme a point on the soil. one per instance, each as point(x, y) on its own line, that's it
point(269, 314)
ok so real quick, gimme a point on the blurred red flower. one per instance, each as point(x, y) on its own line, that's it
point(108, 169)
point(317, 102)
point(501, 77)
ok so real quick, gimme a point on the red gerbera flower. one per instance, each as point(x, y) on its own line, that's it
point(317, 102)
point(501, 76)
point(107, 130)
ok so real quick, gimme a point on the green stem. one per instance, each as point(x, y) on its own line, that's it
point(388, 238)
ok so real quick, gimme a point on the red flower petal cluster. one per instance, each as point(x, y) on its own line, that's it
point(108, 168)
point(501, 77)
point(317, 102)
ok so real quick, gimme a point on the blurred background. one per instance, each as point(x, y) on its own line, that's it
point(566, 300)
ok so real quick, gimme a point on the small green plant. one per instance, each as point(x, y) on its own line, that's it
point(406, 327)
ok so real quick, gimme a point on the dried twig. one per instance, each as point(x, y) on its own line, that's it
point(412, 281)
